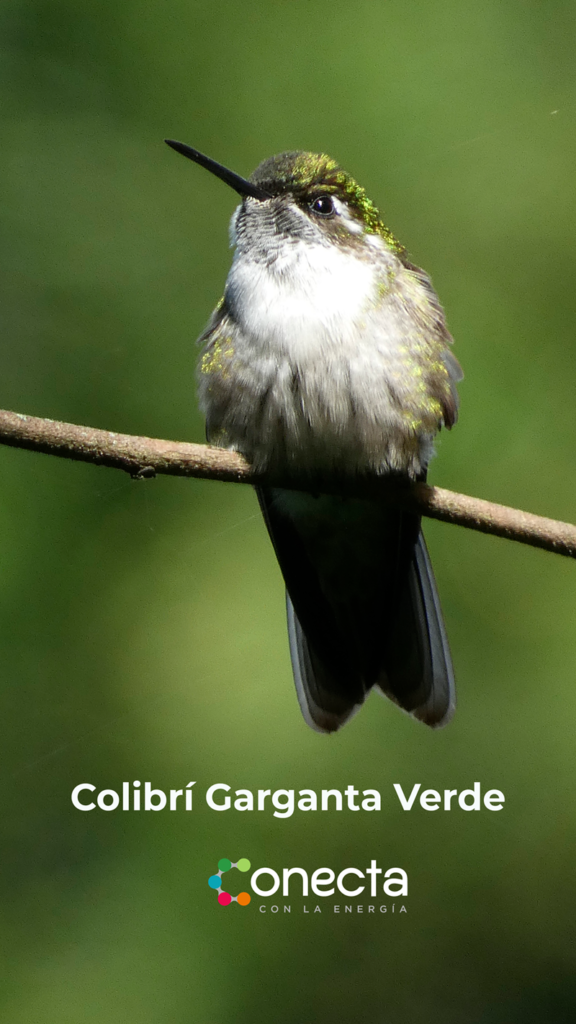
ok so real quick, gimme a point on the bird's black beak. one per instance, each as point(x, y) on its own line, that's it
point(240, 185)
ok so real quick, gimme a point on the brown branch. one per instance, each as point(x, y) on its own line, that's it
point(144, 457)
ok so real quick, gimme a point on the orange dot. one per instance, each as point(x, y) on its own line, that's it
point(243, 898)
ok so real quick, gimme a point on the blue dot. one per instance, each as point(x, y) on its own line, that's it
point(214, 881)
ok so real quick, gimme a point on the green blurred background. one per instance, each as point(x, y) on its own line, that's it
point(142, 623)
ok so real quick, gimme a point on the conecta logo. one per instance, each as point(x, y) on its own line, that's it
point(322, 881)
point(215, 882)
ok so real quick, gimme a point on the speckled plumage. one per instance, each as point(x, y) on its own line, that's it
point(329, 351)
point(329, 356)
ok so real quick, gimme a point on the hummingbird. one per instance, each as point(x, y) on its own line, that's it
point(328, 358)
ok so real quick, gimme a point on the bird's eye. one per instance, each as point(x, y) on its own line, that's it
point(323, 206)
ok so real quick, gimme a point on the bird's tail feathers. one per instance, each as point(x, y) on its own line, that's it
point(419, 676)
point(324, 708)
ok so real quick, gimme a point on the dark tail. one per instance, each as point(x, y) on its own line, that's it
point(363, 609)
point(418, 672)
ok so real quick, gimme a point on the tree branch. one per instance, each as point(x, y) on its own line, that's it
point(144, 457)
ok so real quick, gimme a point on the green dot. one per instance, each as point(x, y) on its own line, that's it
point(224, 864)
point(243, 864)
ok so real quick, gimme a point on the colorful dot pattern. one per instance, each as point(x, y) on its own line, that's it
point(215, 882)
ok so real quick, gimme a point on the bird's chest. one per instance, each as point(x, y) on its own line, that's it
point(304, 303)
point(310, 364)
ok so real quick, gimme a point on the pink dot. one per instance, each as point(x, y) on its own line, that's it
point(224, 899)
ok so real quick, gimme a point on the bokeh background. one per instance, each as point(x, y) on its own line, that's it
point(142, 623)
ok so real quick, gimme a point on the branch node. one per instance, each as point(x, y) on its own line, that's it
point(143, 473)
